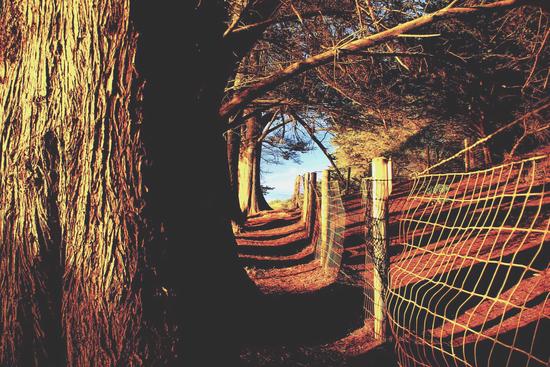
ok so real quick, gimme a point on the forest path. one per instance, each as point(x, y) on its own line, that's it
point(319, 319)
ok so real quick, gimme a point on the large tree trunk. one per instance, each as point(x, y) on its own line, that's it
point(251, 198)
point(70, 185)
point(214, 295)
point(233, 141)
point(248, 185)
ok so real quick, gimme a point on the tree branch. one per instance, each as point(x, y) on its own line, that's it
point(289, 18)
point(272, 129)
point(267, 128)
point(322, 58)
point(390, 53)
point(317, 141)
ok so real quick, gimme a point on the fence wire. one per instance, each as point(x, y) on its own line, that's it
point(336, 227)
point(368, 286)
point(377, 231)
point(469, 272)
point(329, 252)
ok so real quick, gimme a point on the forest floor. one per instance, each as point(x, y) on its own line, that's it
point(326, 317)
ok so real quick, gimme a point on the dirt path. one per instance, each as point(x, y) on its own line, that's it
point(319, 321)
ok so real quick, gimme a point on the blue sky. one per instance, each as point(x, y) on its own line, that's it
point(282, 176)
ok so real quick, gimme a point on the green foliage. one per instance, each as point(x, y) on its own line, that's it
point(266, 189)
point(438, 192)
point(472, 77)
point(281, 204)
point(412, 143)
point(286, 143)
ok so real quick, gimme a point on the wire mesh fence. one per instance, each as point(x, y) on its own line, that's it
point(469, 286)
point(368, 287)
point(375, 274)
point(468, 280)
point(456, 264)
point(329, 245)
point(336, 227)
point(375, 192)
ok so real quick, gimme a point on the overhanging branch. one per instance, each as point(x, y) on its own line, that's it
point(259, 88)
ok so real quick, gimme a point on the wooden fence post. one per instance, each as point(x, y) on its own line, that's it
point(381, 188)
point(296, 195)
point(305, 205)
point(308, 210)
point(312, 202)
point(324, 216)
point(390, 176)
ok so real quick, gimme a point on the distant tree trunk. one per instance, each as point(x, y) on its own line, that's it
point(251, 199)
point(70, 185)
point(233, 142)
point(487, 154)
point(428, 158)
point(480, 129)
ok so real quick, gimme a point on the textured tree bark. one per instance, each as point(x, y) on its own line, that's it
point(247, 158)
point(70, 184)
point(251, 199)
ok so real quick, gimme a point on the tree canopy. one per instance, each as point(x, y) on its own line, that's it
point(389, 77)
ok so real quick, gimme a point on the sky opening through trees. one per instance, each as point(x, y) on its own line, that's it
point(280, 175)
